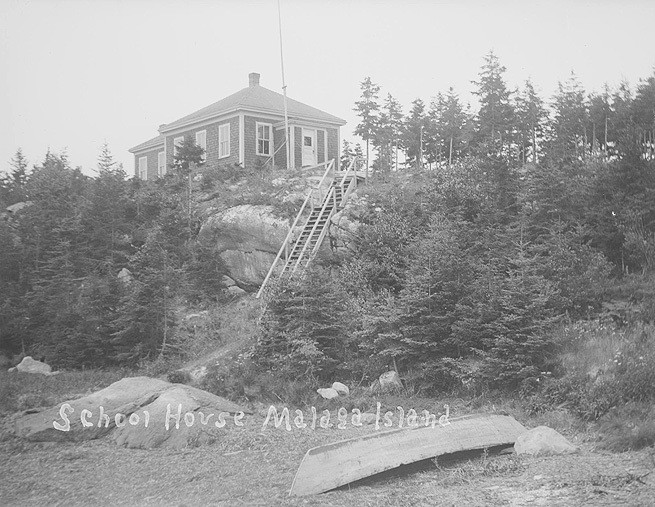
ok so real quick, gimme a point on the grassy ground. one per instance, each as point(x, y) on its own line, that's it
point(255, 466)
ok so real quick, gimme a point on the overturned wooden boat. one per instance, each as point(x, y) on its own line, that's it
point(330, 466)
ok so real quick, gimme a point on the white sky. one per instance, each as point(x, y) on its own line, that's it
point(75, 73)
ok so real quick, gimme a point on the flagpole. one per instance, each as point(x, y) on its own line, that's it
point(284, 88)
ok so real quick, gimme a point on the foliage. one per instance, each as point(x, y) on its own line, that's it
point(620, 370)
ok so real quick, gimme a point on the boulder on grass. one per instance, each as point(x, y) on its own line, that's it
point(134, 412)
point(125, 396)
point(328, 393)
point(341, 388)
point(543, 440)
point(181, 416)
point(29, 365)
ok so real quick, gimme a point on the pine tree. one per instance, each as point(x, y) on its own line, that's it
point(643, 108)
point(450, 119)
point(569, 134)
point(415, 128)
point(12, 186)
point(187, 156)
point(495, 117)
point(600, 112)
point(106, 160)
point(388, 132)
point(105, 216)
point(530, 123)
point(367, 108)
point(346, 154)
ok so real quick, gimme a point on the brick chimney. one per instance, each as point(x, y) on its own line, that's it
point(253, 79)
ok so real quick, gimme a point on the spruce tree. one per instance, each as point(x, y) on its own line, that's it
point(367, 108)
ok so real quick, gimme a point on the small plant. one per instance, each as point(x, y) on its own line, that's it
point(631, 427)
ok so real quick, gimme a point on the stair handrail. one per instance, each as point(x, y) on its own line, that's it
point(345, 174)
point(284, 244)
point(329, 165)
point(318, 218)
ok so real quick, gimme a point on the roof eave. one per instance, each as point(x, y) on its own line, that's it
point(172, 127)
point(150, 147)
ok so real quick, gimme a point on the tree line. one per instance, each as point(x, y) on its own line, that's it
point(94, 270)
point(462, 274)
point(517, 125)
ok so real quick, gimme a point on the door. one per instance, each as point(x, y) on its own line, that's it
point(308, 147)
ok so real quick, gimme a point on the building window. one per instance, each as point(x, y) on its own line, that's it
point(224, 140)
point(264, 136)
point(177, 142)
point(201, 140)
point(143, 168)
point(161, 164)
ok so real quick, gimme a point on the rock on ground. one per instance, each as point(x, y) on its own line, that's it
point(181, 416)
point(29, 365)
point(328, 393)
point(125, 403)
point(543, 440)
point(341, 388)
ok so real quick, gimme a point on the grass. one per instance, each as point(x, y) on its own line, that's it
point(23, 391)
point(256, 466)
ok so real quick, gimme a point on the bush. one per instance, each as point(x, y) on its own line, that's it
point(591, 387)
point(631, 427)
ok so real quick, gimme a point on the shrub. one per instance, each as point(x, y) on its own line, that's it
point(595, 384)
point(631, 427)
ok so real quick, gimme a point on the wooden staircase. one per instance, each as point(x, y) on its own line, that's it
point(323, 202)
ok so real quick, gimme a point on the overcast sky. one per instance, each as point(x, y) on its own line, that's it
point(75, 73)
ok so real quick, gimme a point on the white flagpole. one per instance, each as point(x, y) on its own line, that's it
point(284, 88)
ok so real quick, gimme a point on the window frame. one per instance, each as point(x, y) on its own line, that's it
point(269, 128)
point(204, 144)
point(143, 170)
point(161, 164)
point(224, 139)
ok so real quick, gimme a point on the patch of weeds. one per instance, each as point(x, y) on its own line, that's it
point(630, 428)
point(486, 464)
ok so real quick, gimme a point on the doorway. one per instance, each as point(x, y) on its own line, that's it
point(308, 147)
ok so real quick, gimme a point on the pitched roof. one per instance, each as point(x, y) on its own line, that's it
point(258, 98)
point(155, 142)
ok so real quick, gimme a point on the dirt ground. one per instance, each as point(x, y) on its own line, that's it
point(256, 466)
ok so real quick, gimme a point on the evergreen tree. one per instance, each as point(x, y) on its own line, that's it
point(367, 108)
point(450, 120)
point(600, 112)
point(388, 133)
point(187, 156)
point(643, 108)
point(569, 134)
point(12, 186)
point(305, 329)
point(415, 128)
point(530, 123)
point(105, 217)
point(106, 160)
point(347, 154)
point(495, 117)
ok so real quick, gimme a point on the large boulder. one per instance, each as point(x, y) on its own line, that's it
point(247, 238)
point(125, 396)
point(29, 365)
point(134, 411)
point(181, 416)
point(543, 440)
